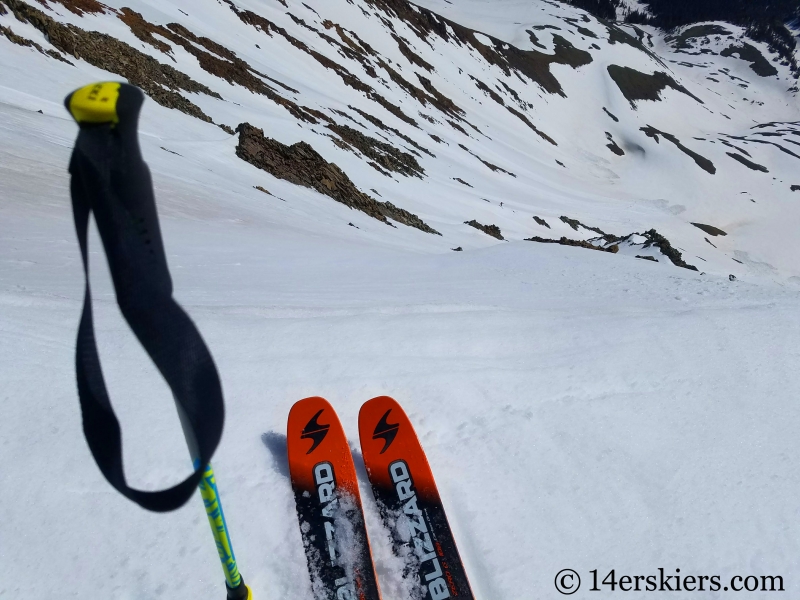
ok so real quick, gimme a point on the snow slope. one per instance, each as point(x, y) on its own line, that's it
point(580, 409)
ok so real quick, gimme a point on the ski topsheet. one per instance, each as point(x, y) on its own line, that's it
point(409, 501)
point(329, 505)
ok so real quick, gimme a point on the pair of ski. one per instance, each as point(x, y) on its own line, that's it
point(329, 504)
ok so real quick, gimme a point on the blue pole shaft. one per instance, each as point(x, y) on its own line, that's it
point(236, 588)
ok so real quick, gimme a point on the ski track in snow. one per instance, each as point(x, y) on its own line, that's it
point(579, 409)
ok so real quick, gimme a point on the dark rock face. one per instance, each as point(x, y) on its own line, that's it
point(541, 222)
point(302, 165)
point(698, 31)
point(613, 145)
point(748, 163)
point(659, 241)
point(492, 230)
point(533, 64)
point(610, 243)
point(710, 229)
point(79, 7)
point(23, 41)
point(385, 155)
point(750, 54)
point(700, 160)
point(636, 85)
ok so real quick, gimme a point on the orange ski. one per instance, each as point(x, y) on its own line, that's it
point(409, 501)
point(329, 504)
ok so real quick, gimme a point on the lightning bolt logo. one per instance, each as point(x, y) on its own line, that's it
point(314, 431)
point(385, 431)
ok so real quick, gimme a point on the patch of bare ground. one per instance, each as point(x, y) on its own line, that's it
point(494, 168)
point(268, 27)
point(458, 127)
point(659, 241)
point(577, 226)
point(23, 41)
point(565, 241)
point(492, 230)
point(358, 45)
point(351, 46)
point(615, 119)
point(79, 7)
point(685, 39)
point(158, 81)
point(381, 125)
point(748, 163)
point(411, 56)
point(760, 65)
point(461, 181)
point(531, 63)
point(760, 141)
point(710, 229)
point(701, 161)
point(215, 60)
point(616, 35)
point(488, 91)
point(636, 85)
point(796, 188)
point(385, 155)
point(536, 65)
point(737, 148)
point(613, 145)
point(442, 102)
point(302, 165)
point(541, 222)
point(533, 127)
point(610, 243)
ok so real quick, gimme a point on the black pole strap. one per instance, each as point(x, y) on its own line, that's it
point(111, 181)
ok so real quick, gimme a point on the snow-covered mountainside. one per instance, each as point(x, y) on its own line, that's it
point(536, 121)
point(604, 375)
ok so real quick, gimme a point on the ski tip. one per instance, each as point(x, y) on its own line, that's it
point(379, 403)
point(314, 435)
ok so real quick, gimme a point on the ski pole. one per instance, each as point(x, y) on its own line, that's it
point(111, 182)
point(234, 582)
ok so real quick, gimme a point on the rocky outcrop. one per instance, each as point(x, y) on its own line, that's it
point(700, 161)
point(659, 241)
point(12, 37)
point(385, 155)
point(710, 229)
point(302, 165)
point(564, 241)
point(79, 7)
point(531, 63)
point(753, 166)
point(159, 81)
point(492, 230)
point(636, 85)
